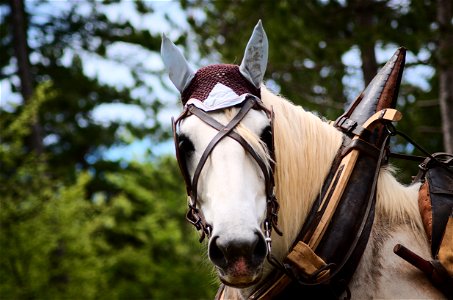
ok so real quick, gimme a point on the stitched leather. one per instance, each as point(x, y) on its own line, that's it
point(436, 195)
point(358, 199)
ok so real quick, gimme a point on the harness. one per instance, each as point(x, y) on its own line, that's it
point(334, 236)
point(329, 247)
point(194, 215)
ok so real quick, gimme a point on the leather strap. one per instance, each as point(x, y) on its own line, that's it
point(194, 215)
point(216, 125)
point(223, 132)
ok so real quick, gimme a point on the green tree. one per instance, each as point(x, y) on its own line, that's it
point(45, 226)
point(74, 225)
point(58, 243)
point(157, 255)
point(59, 41)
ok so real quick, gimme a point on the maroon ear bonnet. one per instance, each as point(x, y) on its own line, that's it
point(207, 77)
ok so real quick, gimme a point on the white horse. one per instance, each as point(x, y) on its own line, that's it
point(231, 192)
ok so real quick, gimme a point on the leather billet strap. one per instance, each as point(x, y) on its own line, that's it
point(179, 157)
point(194, 215)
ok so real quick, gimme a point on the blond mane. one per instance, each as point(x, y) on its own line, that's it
point(305, 148)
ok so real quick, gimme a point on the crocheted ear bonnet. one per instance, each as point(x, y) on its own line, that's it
point(221, 85)
point(207, 78)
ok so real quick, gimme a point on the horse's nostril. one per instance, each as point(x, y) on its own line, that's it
point(223, 252)
point(216, 254)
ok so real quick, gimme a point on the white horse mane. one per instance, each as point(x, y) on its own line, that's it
point(305, 148)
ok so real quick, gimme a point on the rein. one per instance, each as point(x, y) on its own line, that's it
point(194, 214)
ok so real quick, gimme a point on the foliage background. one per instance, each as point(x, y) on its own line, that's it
point(76, 223)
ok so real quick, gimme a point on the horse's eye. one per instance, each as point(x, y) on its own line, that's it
point(185, 145)
point(266, 137)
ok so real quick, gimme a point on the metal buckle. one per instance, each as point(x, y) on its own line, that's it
point(347, 124)
point(267, 236)
point(193, 218)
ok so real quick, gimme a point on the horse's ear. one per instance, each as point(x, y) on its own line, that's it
point(254, 63)
point(177, 67)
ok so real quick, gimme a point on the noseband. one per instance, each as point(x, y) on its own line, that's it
point(194, 214)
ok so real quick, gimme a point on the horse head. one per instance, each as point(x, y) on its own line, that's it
point(224, 147)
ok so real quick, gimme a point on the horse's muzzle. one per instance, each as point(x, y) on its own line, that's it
point(238, 261)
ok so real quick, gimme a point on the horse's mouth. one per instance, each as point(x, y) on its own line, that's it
point(240, 281)
point(240, 275)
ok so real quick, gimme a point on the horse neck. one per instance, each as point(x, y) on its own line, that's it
point(305, 147)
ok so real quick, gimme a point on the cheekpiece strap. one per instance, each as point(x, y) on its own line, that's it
point(194, 215)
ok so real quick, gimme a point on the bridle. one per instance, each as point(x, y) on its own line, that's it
point(194, 214)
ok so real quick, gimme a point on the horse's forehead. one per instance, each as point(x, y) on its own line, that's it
point(192, 126)
point(256, 120)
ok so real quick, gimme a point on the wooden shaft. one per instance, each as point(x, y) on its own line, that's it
point(414, 259)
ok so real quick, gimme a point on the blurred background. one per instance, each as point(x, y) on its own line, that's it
point(92, 203)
